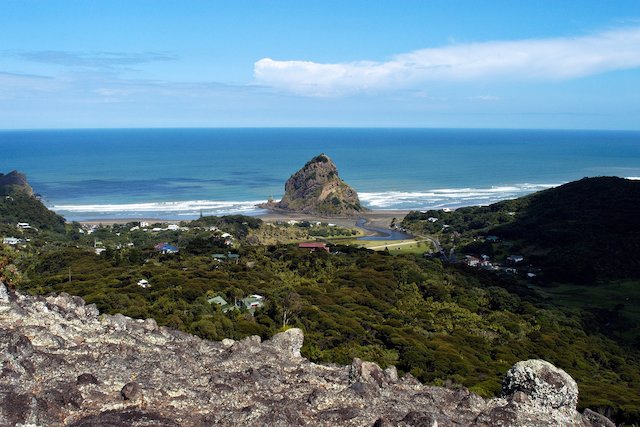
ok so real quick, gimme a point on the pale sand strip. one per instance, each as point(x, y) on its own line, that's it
point(375, 218)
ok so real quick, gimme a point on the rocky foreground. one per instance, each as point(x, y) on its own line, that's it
point(64, 364)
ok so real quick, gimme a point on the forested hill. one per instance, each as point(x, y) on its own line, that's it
point(582, 230)
point(578, 232)
point(21, 206)
point(14, 181)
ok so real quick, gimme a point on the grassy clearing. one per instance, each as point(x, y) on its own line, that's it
point(623, 297)
point(396, 246)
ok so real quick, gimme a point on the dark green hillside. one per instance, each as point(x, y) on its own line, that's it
point(581, 231)
point(20, 206)
point(578, 232)
point(12, 182)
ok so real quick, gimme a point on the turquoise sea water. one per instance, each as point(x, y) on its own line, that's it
point(176, 173)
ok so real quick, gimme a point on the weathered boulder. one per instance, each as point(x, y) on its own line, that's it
point(131, 391)
point(542, 382)
point(288, 342)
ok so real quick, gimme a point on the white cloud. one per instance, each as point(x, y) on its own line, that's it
point(533, 59)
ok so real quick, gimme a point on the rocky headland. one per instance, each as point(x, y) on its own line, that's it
point(317, 189)
point(14, 181)
point(65, 364)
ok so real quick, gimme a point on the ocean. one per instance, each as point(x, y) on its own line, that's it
point(181, 173)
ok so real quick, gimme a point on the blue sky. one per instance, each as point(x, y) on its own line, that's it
point(492, 64)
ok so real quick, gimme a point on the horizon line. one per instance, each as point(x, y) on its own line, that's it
point(318, 128)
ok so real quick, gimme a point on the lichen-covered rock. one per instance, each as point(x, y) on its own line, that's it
point(318, 190)
point(131, 391)
point(288, 342)
point(541, 382)
point(62, 365)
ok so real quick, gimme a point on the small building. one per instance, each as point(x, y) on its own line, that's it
point(143, 283)
point(219, 257)
point(314, 246)
point(432, 219)
point(492, 239)
point(11, 241)
point(471, 261)
point(166, 248)
point(224, 305)
point(98, 251)
point(228, 256)
point(173, 227)
point(24, 226)
point(515, 258)
point(252, 302)
point(218, 300)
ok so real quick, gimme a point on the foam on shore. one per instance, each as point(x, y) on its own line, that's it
point(386, 200)
point(188, 209)
point(448, 197)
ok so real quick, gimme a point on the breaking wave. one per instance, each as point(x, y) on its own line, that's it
point(448, 197)
point(427, 199)
point(161, 210)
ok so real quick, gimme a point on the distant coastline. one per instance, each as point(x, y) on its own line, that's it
point(381, 201)
point(376, 218)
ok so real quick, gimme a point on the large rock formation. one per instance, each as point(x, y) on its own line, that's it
point(14, 181)
point(317, 189)
point(64, 364)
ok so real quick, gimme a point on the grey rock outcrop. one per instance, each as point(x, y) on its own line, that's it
point(64, 364)
point(543, 383)
point(317, 189)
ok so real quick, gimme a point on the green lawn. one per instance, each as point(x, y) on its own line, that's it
point(396, 246)
point(623, 295)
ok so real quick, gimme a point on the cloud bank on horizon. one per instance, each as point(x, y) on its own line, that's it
point(550, 59)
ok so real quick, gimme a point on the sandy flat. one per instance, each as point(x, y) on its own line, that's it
point(376, 218)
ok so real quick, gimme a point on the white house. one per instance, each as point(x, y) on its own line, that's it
point(143, 283)
point(173, 227)
point(11, 241)
point(472, 261)
point(24, 225)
